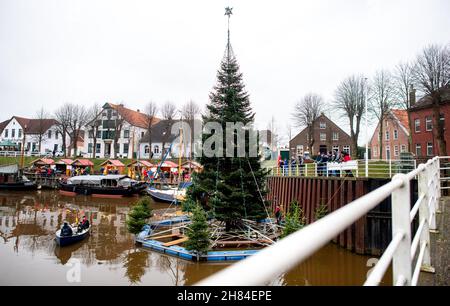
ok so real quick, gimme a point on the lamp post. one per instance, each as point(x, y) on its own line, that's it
point(367, 140)
point(23, 147)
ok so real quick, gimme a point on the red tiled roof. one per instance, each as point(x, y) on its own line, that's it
point(169, 164)
point(402, 116)
point(3, 125)
point(82, 162)
point(141, 162)
point(113, 162)
point(191, 165)
point(35, 126)
point(133, 117)
point(65, 161)
point(43, 161)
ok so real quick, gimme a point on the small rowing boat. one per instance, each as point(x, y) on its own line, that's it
point(75, 237)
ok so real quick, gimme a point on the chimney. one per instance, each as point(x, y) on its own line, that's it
point(138, 110)
point(412, 95)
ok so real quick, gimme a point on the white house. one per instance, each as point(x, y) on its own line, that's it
point(161, 133)
point(18, 130)
point(131, 126)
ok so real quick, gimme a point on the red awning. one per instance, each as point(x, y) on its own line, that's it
point(83, 162)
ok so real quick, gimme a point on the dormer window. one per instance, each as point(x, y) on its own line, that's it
point(323, 125)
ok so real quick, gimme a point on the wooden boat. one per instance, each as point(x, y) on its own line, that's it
point(13, 179)
point(66, 240)
point(169, 194)
point(102, 185)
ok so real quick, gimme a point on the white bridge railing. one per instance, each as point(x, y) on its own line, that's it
point(404, 251)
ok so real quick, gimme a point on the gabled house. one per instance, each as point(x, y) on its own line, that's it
point(116, 132)
point(41, 136)
point(327, 136)
point(161, 139)
point(395, 138)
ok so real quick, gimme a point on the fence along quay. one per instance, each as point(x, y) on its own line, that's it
point(409, 252)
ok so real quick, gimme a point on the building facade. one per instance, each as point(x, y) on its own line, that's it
point(20, 130)
point(115, 128)
point(327, 137)
point(395, 138)
point(424, 140)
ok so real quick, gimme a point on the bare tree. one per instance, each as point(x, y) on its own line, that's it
point(39, 132)
point(168, 112)
point(117, 126)
point(382, 97)
point(93, 125)
point(431, 73)
point(350, 98)
point(63, 116)
point(189, 112)
point(306, 112)
point(78, 119)
point(151, 111)
point(403, 82)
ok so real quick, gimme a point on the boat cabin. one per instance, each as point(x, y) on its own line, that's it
point(111, 180)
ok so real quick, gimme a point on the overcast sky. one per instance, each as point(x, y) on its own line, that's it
point(87, 51)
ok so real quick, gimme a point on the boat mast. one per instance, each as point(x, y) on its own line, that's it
point(180, 154)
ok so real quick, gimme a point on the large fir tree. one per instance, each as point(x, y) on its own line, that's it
point(232, 187)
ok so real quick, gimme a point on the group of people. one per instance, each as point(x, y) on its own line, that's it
point(67, 231)
point(80, 171)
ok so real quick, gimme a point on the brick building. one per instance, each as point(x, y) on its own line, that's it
point(395, 138)
point(327, 136)
point(424, 142)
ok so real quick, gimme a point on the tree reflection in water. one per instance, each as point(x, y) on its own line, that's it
point(136, 262)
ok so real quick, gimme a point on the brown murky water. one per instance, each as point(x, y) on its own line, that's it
point(30, 256)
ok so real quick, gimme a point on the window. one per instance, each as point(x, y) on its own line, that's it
point(403, 148)
point(56, 134)
point(142, 134)
point(97, 148)
point(335, 136)
point(90, 147)
point(346, 149)
point(418, 150)
point(13, 133)
point(396, 152)
point(299, 149)
point(323, 137)
point(156, 149)
point(417, 125)
point(387, 135)
point(336, 148)
point(322, 125)
point(126, 134)
point(20, 133)
point(91, 134)
point(388, 152)
point(442, 120)
point(395, 134)
point(99, 134)
point(147, 149)
point(375, 151)
point(49, 134)
point(428, 123)
point(125, 148)
point(429, 149)
point(109, 113)
point(6, 133)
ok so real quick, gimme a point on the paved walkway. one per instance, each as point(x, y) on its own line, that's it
point(440, 249)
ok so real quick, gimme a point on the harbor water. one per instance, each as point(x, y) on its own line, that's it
point(30, 256)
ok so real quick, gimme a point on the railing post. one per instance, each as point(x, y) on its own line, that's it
point(424, 214)
point(315, 169)
point(432, 201)
point(390, 168)
point(401, 206)
point(306, 169)
point(297, 169)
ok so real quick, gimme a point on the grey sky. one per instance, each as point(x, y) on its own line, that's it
point(86, 51)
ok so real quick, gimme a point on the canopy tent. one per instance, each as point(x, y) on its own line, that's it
point(112, 165)
point(8, 145)
point(191, 165)
point(139, 168)
point(141, 163)
point(82, 163)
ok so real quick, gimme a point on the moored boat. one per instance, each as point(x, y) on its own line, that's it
point(102, 185)
point(169, 194)
point(11, 178)
point(75, 237)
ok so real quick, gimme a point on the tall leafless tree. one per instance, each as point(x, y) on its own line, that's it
point(431, 73)
point(382, 100)
point(306, 112)
point(78, 119)
point(151, 112)
point(189, 113)
point(93, 125)
point(403, 82)
point(39, 132)
point(63, 116)
point(168, 113)
point(350, 98)
point(117, 126)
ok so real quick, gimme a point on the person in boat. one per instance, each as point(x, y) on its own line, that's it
point(84, 224)
point(66, 230)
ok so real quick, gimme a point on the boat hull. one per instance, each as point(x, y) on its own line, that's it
point(100, 191)
point(63, 241)
point(159, 196)
point(18, 186)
